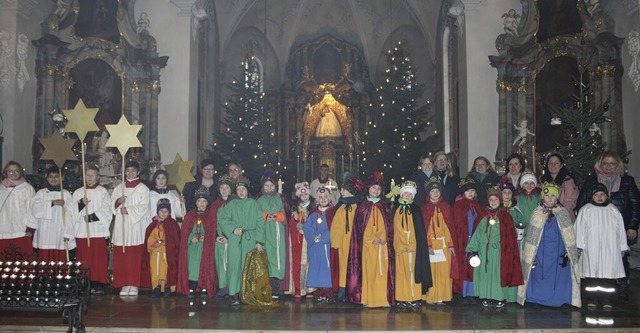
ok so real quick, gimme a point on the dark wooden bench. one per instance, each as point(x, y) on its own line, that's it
point(46, 287)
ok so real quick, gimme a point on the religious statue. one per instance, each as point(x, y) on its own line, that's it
point(306, 73)
point(328, 125)
point(594, 129)
point(61, 8)
point(144, 23)
point(356, 138)
point(297, 140)
point(523, 131)
point(22, 49)
point(593, 6)
point(456, 11)
point(511, 20)
point(346, 71)
point(633, 48)
point(197, 15)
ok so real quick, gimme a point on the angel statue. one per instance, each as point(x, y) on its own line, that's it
point(511, 20)
point(356, 138)
point(594, 129)
point(523, 131)
point(297, 140)
point(144, 23)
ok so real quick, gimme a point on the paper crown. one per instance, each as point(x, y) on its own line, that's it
point(243, 182)
point(353, 185)
point(409, 186)
point(551, 188)
point(432, 184)
point(466, 184)
point(163, 203)
point(227, 180)
point(494, 191)
point(375, 179)
point(302, 188)
point(528, 176)
point(268, 176)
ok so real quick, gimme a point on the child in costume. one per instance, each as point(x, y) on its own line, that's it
point(510, 204)
point(197, 250)
point(342, 227)
point(130, 205)
point(550, 256)
point(436, 213)
point(466, 215)
point(163, 245)
point(92, 217)
point(528, 195)
point(602, 243)
point(371, 268)
point(242, 224)
point(274, 213)
point(494, 242)
point(316, 233)
point(15, 197)
point(159, 190)
point(226, 187)
point(54, 228)
point(413, 270)
point(302, 208)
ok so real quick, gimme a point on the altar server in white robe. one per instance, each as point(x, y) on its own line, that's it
point(54, 229)
point(602, 243)
point(159, 190)
point(131, 211)
point(92, 216)
point(15, 197)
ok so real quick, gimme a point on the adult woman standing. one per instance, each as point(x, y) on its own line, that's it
point(623, 193)
point(556, 171)
point(484, 175)
point(449, 180)
point(515, 168)
point(420, 177)
point(15, 195)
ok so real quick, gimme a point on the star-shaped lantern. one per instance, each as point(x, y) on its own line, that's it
point(58, 149)
point(123, 135)
point(179, 172)
point(81, 120)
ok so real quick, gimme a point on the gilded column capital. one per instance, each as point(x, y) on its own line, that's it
point(50, 69)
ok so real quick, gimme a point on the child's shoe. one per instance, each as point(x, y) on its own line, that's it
point(156, 292)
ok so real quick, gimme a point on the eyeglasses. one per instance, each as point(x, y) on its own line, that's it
point(610, 163)
point(441, 160)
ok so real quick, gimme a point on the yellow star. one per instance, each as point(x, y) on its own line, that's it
point(58, 149)
point(123, 135)
point(81, 120)
point(179, 172)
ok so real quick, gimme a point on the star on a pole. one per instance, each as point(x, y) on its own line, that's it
point(81, 120)
point(179, 172)
point(58, 149)
point(123, 135)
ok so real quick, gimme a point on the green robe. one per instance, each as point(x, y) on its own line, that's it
point(527, 205)
point(274, 236)
point(194, 252)
point(247, 215)
point(486, 277)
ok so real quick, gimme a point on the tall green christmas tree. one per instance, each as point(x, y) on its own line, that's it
point(248, 134)
point(581, 127)
point(393, 142)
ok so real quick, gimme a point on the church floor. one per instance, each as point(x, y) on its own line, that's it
point(110, 313)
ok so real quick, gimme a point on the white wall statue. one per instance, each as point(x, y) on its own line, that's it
point(511, 20)
point(633, 47)
point(21, 50)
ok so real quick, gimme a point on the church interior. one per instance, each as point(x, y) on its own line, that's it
point(492, 74)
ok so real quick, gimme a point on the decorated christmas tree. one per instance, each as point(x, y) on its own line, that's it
point(248, 134)
point(581, 127)
point(394, 139)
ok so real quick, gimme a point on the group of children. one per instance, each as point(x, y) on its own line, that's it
point(522, 246)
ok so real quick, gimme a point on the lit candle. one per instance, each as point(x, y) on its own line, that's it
point(533, 158)
point(280, 186)
point(393, 183)
point(298, 164)
point(312, 175)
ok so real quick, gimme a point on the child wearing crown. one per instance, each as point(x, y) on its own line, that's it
point(528, 195)
point(436, 213)
point(300, 211)
point(494, 242)
point(197, 250)
point(162, 238)
point(413, 271)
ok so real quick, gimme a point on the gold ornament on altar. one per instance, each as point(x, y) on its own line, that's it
point(179, 172)
point(58, 149)
point(81, 120)
point(123, 135)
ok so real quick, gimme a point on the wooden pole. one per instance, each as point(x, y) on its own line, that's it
point(84, 183)
point(64, 222)
point(124, 216)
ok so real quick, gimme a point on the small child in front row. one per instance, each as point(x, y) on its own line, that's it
point(162, 238)
point(528, 195)
point(602, 242)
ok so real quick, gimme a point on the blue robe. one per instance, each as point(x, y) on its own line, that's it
point(318, 252)
point(550, 283)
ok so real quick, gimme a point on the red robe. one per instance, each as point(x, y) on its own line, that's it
point(208, 278)
point(354, 266)
point(172, 244)
point(510, 267)
point(461, 235)
point(428, 209)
